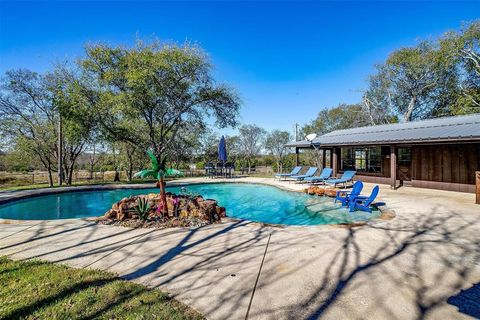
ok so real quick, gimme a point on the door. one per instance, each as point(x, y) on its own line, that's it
point(404, 161)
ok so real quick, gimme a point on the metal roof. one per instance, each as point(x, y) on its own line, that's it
point(447, 129)
point(299, 144)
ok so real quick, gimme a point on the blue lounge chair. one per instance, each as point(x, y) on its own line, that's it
point(344, 196)
point(324, 175)
point(310, 172)
point(362, 202)
point(346, 177)
point(294, 172)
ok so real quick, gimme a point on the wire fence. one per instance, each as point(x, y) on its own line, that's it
point(13, 179)
point(10, 179)
point(41, 177)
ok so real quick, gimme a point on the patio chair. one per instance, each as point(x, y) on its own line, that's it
point(324, 175)
point(294, 172)
point(310, 172)
point(344, 196)
point(210, 170)
point(362, 202)
point(346, 177)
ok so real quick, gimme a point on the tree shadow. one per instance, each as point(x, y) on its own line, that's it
point(179, 248)
point(438, 240)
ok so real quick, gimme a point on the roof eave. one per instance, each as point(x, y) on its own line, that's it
point(397, 142)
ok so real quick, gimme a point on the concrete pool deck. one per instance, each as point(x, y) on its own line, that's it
point(412, 267)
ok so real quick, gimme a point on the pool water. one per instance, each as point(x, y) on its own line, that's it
point(252, 202)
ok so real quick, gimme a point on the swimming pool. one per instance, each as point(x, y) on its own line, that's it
point(254, 202)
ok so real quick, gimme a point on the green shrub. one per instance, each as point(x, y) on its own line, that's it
point(142, 208)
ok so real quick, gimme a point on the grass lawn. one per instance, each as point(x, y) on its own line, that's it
point(42, 290)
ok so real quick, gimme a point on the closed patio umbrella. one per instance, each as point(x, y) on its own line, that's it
point(222, 150)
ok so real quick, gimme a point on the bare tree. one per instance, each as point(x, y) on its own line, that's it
point(28, 115)
point(275, 143)
point(252, 139)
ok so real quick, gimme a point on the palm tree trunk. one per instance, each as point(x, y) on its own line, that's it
point(163, 197)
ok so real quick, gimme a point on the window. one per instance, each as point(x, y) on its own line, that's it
point(362, 159)
point(374, 160)
point(404, 157)
point(347, 159)
point(328, 158)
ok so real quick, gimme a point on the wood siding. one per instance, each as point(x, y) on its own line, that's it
point(446, 163)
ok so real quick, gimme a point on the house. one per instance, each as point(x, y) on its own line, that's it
point(441, 153)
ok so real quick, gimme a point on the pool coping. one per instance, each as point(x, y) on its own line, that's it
point(26, 194)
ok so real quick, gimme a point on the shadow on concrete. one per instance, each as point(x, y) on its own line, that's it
point(444, 239)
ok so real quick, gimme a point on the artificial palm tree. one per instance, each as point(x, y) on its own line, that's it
point(158, 173)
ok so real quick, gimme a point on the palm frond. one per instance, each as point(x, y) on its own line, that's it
point(153, 161)
point(146, 174)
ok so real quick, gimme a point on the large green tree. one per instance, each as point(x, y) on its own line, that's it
point(434, 78)
point(151, 92)
point(463, 47)
point(341, 117)
point(416, 80)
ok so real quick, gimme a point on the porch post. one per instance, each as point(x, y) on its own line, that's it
point(477, 179)
point(393, 167)
point(324, 162)
point(334, 160)
point(297, 157)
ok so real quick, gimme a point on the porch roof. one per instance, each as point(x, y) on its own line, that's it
point(446, 129)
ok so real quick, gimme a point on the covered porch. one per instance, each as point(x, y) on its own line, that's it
point(436, 166)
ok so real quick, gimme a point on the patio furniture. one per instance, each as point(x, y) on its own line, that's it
point(346, 177)
point(344, 196)
point(362, 202)
point(324, 175)
point(210, 170)
point(294, 172)
point(310, 172)
point(228, 169)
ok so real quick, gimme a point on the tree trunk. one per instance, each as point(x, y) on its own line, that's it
point(163, 197)
point(130, 172)
point(70, 174)
point(117, 176)
point(66, 173)
point(92, 162)
point(407, 117)
point(50, 177)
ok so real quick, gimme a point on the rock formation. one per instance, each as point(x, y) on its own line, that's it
point(179, 206)
point(320, 191)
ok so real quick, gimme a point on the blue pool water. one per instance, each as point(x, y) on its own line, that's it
point(253, 202)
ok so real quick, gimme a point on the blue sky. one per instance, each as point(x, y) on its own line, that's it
point(286, 59)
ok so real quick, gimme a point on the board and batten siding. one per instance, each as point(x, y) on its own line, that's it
point(446, 163)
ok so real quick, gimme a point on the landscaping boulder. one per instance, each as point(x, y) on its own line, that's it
point(331, 192)
point(315, 190)
point(179, 207)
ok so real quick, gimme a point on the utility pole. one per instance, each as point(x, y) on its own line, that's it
point(60, 150)
point(296, 131)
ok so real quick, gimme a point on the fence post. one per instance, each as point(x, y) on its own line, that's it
point(33, 177)
point(477, 179)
